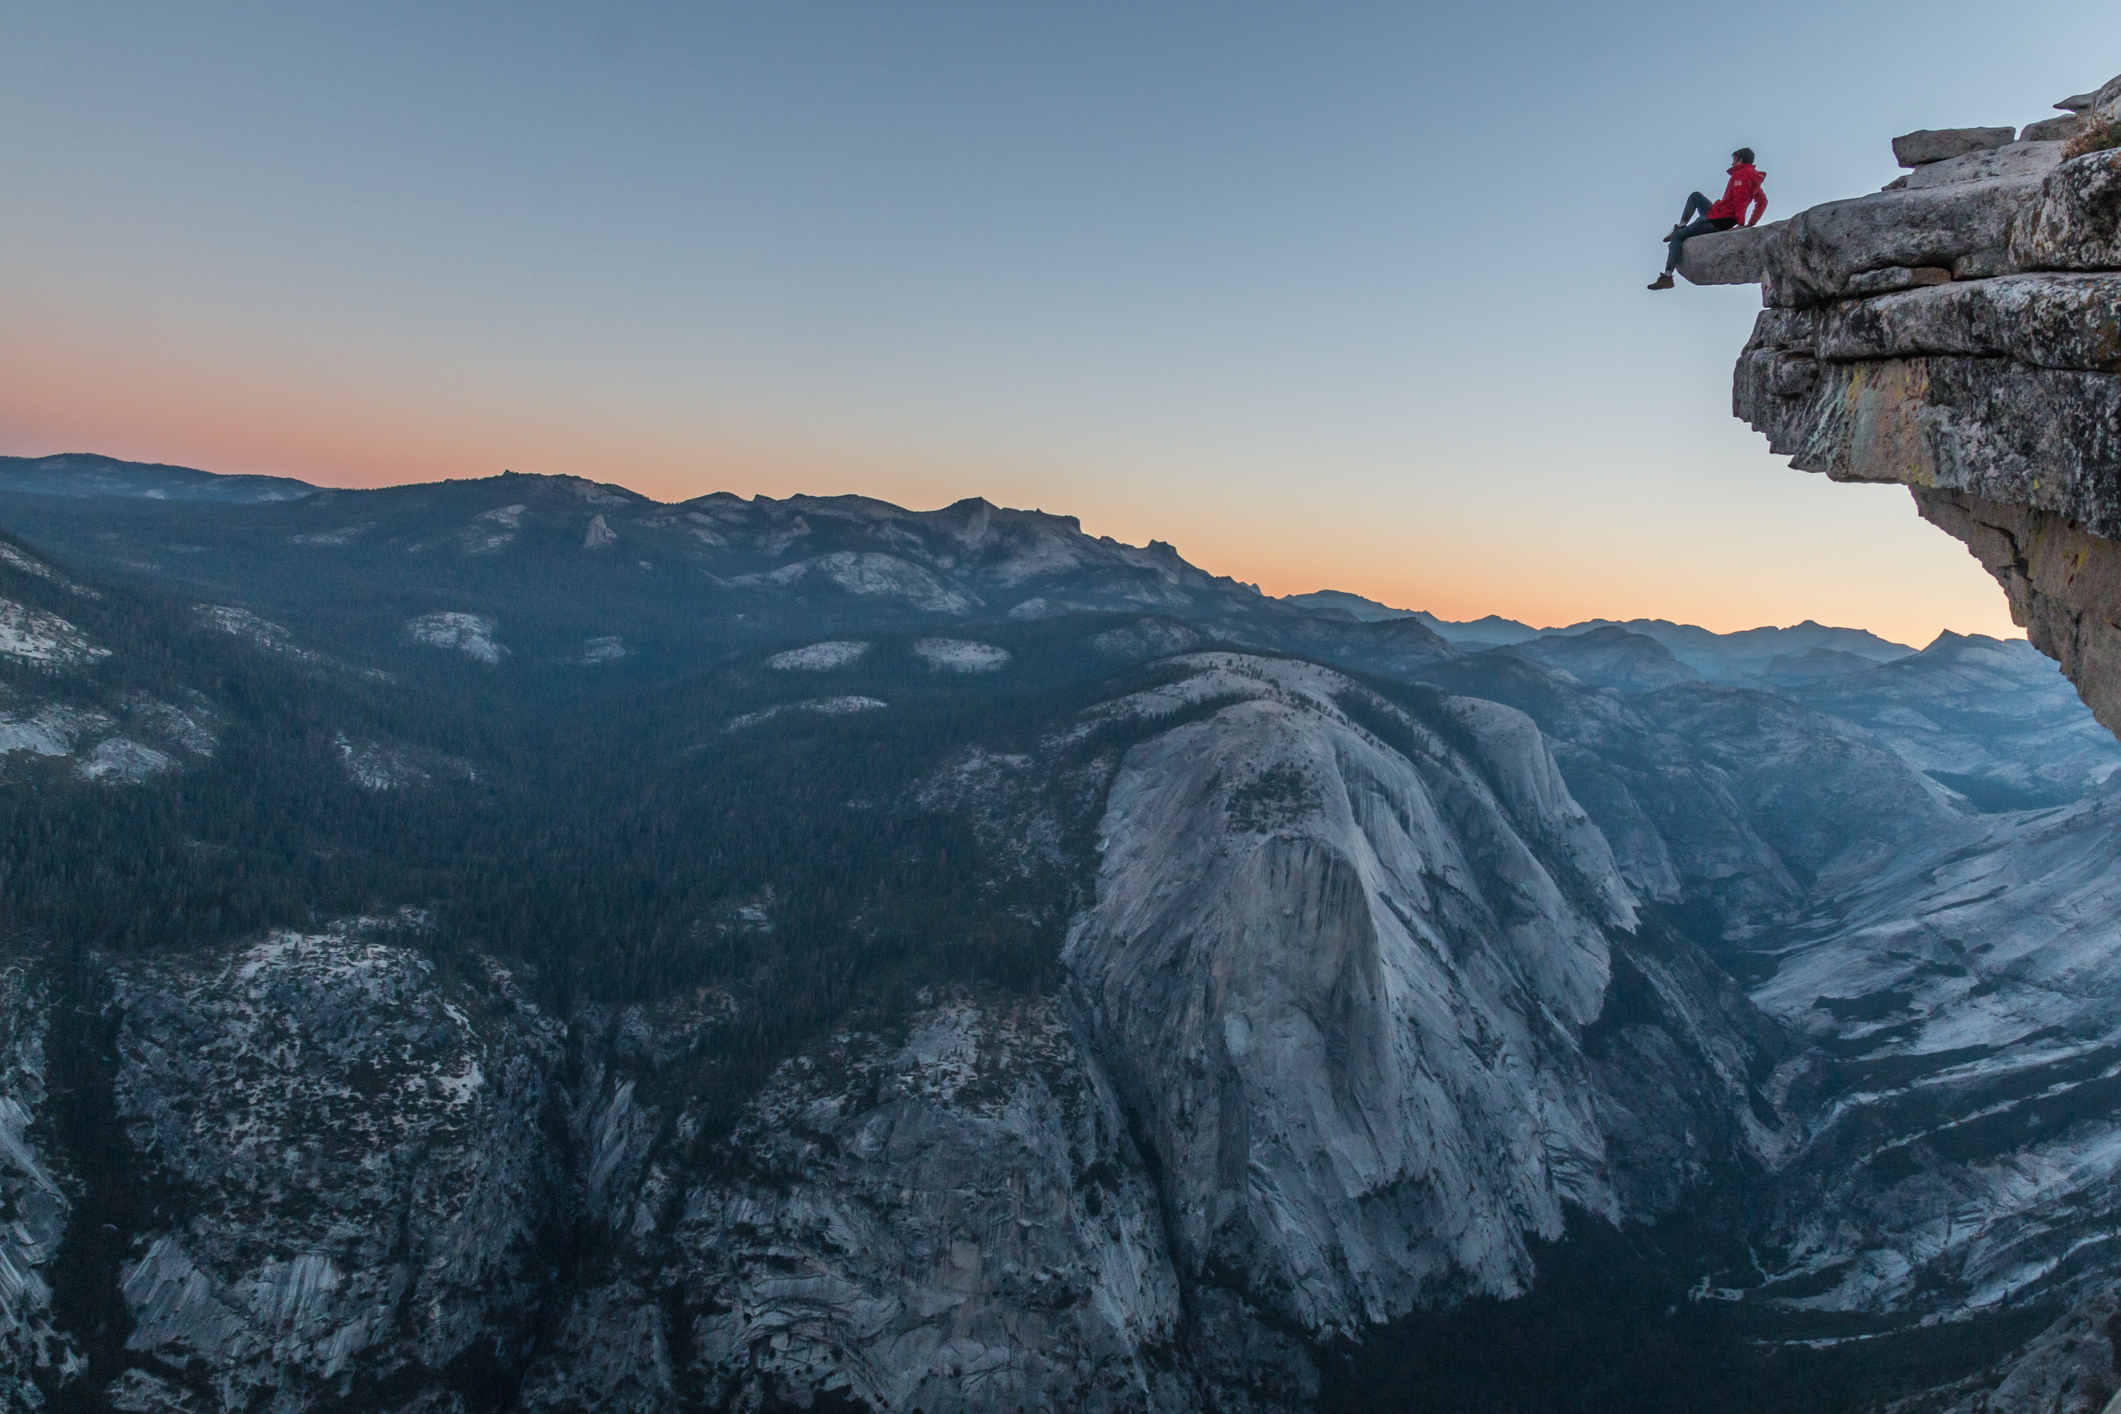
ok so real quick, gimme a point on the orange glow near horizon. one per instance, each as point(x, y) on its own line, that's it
point(124, 398)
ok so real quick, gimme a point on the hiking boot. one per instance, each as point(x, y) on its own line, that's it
point(1662, 282)
point(1673, 232)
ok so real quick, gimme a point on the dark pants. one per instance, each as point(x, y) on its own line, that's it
point(1688, 226)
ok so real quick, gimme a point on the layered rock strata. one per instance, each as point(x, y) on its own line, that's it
point(1960, 333)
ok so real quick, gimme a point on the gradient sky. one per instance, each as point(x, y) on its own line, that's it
point(1327, 295)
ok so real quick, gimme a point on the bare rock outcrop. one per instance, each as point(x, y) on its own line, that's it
point(355, 1171)
point(1960, 333)
point(1348, 966)
point(1918, 149)
point(33, 1196)
point(955, 1221)
point(1734, 257)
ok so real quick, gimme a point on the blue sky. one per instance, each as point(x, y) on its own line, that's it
point(1339, 295)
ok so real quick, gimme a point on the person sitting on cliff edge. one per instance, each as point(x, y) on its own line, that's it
point(1742, 198)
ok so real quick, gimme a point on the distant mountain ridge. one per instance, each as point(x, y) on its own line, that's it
point(543, 574)
point(1718, 656)
point(1748, 651)
point(558, 561)
point(88, 474)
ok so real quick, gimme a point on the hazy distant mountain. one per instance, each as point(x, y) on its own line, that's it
point(1723, 657)
point(85, 474)
point(1608, 657)
point(1732, 657)
point(1488, 632)
point(1813, 665)
point(1992, 718)
point(1491, 631)
point(558, 561)
point(1353, 605)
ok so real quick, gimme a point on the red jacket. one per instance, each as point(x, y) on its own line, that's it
point(1744, 191)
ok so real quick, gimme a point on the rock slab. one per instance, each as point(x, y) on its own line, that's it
point(1926, 145)
point(1735, 257)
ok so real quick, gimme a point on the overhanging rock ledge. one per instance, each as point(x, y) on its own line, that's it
point(1960, 332)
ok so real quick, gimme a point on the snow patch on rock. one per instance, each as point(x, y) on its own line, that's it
point(121, 759)
point(817, 657)
point(194, 729)
point(35, 636)
point(492, 531)
point(375, 765)
point(344, 535)
point(51, 729)
point(260, 633)
point(469, 634)
point(29, 564)
point(1039, 553)
point(960, 655)
point(825, 706)
point(597, 493)
point(10, 556)
point(701, 527)
point(869, 573)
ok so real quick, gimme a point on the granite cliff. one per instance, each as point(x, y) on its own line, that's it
point(1960, 332)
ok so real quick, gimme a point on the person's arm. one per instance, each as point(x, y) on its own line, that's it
point(1759, 205)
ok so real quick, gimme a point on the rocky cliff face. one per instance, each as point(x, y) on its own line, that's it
point(950, 1219)
point(1362, 1009)
point(33, 1202)
point(1347, 984)
point(347, 1169)
point(356, 1178)
point(1960, 332)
